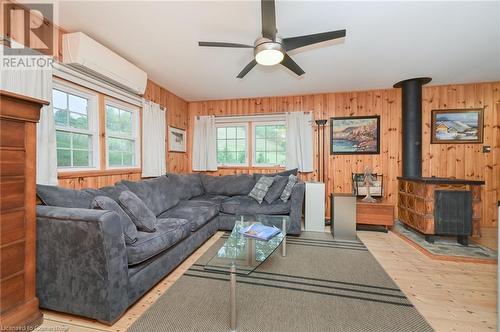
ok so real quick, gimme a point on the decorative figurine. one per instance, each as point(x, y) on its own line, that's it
point(368, 182)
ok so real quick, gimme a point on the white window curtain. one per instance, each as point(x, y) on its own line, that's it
point(36, 82)
point(299, 141)
point(153, 140)
point(204, 149)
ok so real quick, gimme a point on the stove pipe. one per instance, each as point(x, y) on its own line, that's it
point(412, 124)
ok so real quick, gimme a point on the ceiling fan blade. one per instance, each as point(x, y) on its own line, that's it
point(222, 44)
point(268, 10)
point(247, 69)
point(300, 41)
point(292, 65)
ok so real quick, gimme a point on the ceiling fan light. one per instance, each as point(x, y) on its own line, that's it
point(269, 57)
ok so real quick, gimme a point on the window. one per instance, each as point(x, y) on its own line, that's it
point(269, 144)
point(232, 145)
point(121, 135)
point(76, 123)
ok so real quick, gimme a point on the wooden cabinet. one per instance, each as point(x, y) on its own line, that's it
point(379, 214)
point(18, 302)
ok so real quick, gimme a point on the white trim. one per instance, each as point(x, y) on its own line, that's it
point(254, 143)
point(234, 124)
point(93, 122)
point(70, 74)
point(250, 118)
point(135, 132)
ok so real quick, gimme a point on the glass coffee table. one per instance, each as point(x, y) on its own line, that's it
point(242, 255)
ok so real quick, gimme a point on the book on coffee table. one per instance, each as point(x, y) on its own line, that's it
point(260, 231)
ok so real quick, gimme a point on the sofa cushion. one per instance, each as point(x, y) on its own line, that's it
point(286, 173)
point(228, 185)
point(158, 194)
point(128, 227)
point(141, 215)
point(198, 213)
point(64, 197)
point(248, 205)
point(186, 185)
point(169, 232)
point(276, 189)
point(261, 188)
point(287, 192)
point(215, 199)
point(113, 191)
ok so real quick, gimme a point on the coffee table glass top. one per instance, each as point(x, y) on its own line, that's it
point(247, 253)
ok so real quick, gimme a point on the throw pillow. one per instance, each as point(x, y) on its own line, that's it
point(141, 215)
point(261, 188)
point(128, 227)
point(64, 197)
point(287, 192)
point(276, 189)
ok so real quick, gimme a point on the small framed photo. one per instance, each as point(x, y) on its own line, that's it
point(355, 135)
point(457, 126)
point(176, 139)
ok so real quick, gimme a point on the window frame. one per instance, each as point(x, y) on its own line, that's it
point(247, 140)
point(254, 142)
point(136, 132)
point(93, 123)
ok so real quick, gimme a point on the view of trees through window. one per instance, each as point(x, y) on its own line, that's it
point(120, 142)
point(270, 144)
point(231, 145)
point(73, 138)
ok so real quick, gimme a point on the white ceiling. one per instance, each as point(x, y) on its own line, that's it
point(453, 42)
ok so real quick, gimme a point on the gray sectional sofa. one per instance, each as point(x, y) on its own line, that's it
point(84, 265)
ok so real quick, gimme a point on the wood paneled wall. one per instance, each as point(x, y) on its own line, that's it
point(450, 160)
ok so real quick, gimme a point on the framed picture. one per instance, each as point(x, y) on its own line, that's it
point(355, 135)
point(176, 139)
point(457, 126)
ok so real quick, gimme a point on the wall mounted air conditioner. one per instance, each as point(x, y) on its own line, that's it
point(86, 55)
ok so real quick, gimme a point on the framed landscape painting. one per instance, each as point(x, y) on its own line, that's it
point(176, 139)
point(457, 126)
point(355, 135)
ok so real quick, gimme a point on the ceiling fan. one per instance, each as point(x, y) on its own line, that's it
point(271, 49)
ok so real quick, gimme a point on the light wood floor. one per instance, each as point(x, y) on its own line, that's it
point(452, 296)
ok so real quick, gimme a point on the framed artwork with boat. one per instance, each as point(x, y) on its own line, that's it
point(355, 135)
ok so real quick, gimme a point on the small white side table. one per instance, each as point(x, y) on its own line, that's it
point(315, 207)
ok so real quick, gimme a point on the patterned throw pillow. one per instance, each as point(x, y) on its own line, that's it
point(141, 215)
point(261, 188)
point(128, 227)
point(287, 192)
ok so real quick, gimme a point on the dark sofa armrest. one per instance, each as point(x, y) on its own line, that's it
point(81, 262)
point(296, 201)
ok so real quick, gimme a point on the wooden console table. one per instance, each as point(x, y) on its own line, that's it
point(380, 213)
point(18, 302)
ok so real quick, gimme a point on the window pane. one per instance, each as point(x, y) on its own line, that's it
point(221, 157)
point(221, 133)
point(126, 122)
point(81, 158)
point(260, 144)
point(260, 157)
point(271, 157)
point(221, 145)
point(63, 158)
point(81, 141)
point(241, 156)
point(231, 132)
point(231, 145)
point(59, 99)
point(128, 159)
point(260, 131)
point(128, 146)
point(112, 119)
point(63, 139)
point(281, 158)
point(241, 145)
point(240, 132)
point(79, 121)
point(77, 104)
point(231, 157)
point(115, 158)
point(61, 117)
